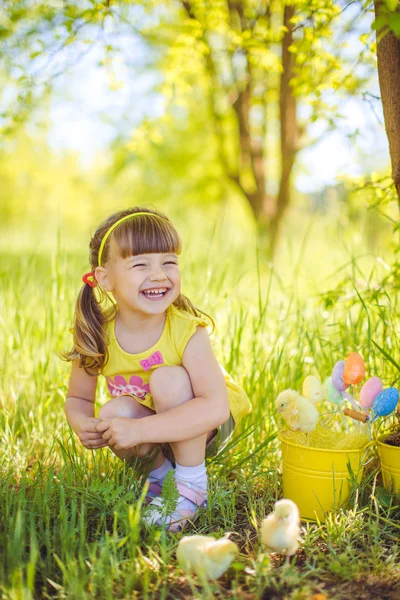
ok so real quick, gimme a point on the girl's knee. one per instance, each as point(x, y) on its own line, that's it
point(170, 386)
point(124, 406)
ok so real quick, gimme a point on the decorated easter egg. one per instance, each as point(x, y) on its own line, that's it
point(312, 389)
point(385, 403)
point(354, 369)
point(369, 391)
point(337, 376)
point(331, 393)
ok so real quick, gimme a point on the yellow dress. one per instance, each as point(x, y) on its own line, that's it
point(129, 374)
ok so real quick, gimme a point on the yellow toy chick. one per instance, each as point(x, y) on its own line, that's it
point(299, 413)
point(205, 556)
point(280, 531)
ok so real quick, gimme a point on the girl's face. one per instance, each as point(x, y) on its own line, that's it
point(146, 283)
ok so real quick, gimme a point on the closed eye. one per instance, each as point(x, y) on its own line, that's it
point(170, 262)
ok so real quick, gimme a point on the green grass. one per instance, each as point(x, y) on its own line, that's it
point(70, 518)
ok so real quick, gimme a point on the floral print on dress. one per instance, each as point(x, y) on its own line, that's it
point(119, 386)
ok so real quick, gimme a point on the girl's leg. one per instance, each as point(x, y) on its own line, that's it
point(170, 386)
point(126, 406)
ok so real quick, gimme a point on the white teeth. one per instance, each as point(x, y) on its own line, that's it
point(158, 293)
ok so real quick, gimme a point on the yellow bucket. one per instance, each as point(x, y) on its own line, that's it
point(317, 479)
point(390, 464)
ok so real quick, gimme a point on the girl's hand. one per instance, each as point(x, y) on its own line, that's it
point(120, 433)
point(89, 436)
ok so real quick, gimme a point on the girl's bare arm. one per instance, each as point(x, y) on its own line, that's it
point(79, 407)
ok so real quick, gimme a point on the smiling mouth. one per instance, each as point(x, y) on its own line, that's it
point(157, 294)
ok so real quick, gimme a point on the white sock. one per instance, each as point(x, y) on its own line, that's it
point(159, 474)
point(192, 477)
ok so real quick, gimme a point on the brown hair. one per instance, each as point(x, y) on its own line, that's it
point(141, 235)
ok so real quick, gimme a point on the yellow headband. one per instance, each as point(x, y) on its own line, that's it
point(109, 232)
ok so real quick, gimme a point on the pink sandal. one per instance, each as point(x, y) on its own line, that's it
point(198, 497)
point(153, 491)
point(185, 515)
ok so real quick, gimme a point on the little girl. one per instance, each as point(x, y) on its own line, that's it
point(170, 397)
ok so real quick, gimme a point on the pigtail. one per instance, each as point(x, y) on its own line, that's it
point(90, 339)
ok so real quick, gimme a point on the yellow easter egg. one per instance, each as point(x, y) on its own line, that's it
point(313, 389)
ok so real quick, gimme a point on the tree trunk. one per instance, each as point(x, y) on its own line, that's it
point(251, 152)
point(388, 54)
point(289, 130)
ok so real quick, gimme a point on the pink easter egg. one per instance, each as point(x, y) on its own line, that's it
point(369, 391)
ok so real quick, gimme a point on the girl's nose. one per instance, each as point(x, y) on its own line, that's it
point(158, 275)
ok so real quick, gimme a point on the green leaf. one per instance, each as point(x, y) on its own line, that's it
point(394, 363)
point(237, 566)
point(383, 496)
point(379, 22)
point(123, 541)
point(169, 493)
point(392, 4)
point(394, 24)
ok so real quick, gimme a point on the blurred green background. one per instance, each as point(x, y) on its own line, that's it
point(257, 119)
point(257, 127)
